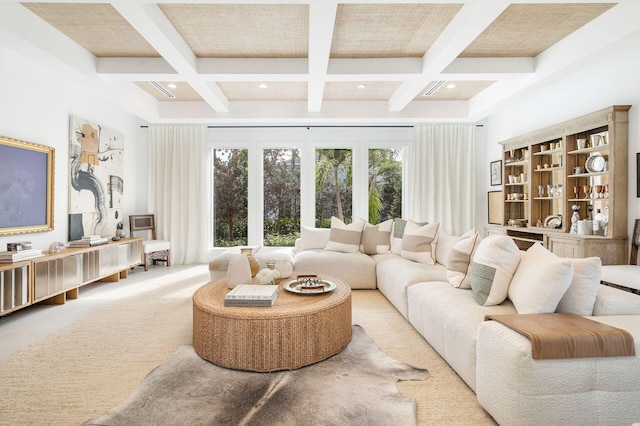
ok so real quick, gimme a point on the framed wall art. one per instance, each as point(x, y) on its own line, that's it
point(26, 187)
point(496, 172)
point(496, 207)
point(96, 184)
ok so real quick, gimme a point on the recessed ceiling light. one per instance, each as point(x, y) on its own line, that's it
point(262, 86)
point(171, 86)
point(451, 86)
point(361, 86)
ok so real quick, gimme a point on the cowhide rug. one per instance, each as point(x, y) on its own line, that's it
point(355, 387)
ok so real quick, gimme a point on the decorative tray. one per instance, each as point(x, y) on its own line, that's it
point(309, 286)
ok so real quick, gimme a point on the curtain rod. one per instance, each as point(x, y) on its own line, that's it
point(291, 126)
point(302, 127)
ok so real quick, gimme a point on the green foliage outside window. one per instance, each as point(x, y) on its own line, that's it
point(230, 197)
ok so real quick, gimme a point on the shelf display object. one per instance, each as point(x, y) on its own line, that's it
point(566, 187)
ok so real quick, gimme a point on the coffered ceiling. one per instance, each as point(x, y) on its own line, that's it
point(316, 61)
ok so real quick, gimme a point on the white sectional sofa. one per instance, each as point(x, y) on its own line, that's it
point(495, 361)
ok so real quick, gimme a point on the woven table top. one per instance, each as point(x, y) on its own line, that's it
point(210, 298)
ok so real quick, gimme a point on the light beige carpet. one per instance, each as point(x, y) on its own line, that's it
point(82, 371)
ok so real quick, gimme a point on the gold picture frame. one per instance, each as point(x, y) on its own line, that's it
point(26, 187)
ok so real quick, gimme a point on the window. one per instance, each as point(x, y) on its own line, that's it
point(281, 193)
point(267, 182)
point(384, 184)
point(333, 186)
point(230, 197)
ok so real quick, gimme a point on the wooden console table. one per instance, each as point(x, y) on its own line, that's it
point(56, 277)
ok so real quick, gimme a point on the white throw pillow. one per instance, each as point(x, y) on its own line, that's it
point(540, 281)
point(313, 238)
point(580, 298)
point(376, 238)
point(396, 235)
point(494, 263)
point(419, 242)
point(459, 260)
point(345, 238)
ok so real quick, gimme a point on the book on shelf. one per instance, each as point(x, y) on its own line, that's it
point(19, 246)
point(252, 295)
point(16, 256)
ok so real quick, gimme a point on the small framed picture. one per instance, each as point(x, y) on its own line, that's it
point(638, 174)
point(496, 207)
point(496, 172)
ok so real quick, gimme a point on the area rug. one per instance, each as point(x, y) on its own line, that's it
point(355, 387)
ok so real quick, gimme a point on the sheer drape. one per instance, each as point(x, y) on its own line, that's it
point(443, 177)
point(178, 189)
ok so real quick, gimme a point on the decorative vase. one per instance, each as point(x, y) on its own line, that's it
point(253, 262)
point(575, 218)
point(238, 271)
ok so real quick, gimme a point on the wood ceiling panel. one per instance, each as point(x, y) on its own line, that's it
point(97, 27)
point(463, 91)
point(388, 30)
point(242, 30)
point(526, 30)
point(348, 91)
point(275, 91)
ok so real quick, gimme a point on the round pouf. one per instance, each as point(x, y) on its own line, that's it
point(297, 330)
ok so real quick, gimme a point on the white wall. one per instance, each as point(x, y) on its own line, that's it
point(35, 106)
point(611, 81)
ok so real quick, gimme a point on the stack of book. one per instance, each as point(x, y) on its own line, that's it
point(22, 245)
point(18, 255)
point(252, 295)
point(89, 241)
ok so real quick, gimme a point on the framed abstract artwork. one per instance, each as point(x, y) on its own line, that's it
point(96, 184)
point(26, 187)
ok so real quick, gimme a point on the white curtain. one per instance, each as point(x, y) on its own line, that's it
point(442, 177)
point(178, 189)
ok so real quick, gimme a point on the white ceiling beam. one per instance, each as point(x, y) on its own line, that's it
point(491, 66)
point(375, 66)
point(334, 113)
point(465, 27)
point(322, 18)
point(295, 69)
point(153, 25)
point(136, 69)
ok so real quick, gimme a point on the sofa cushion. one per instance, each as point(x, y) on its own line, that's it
point(419, 242)
point(540, 281)
point(459, 260)
point(612, 301)
point(494, 263)
point(358, 270)
point(448, 318)
point(376, 239)
point(580, 298)
point(396, 274)
point(312, 238)
point(345, 238)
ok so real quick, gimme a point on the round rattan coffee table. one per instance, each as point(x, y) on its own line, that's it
point(298, 330)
